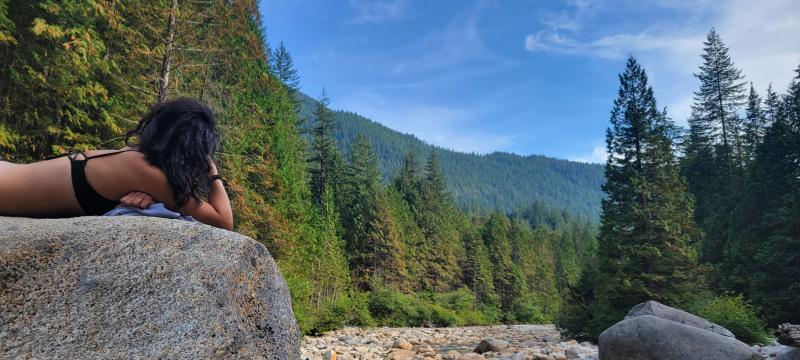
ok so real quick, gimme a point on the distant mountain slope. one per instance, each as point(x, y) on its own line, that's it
point(481, 182)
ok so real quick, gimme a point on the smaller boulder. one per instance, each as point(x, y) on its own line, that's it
point(648, 337)
point(660, 310)
point(572, 352)
point(402, 344)
point(487, 345)
point(789, 335)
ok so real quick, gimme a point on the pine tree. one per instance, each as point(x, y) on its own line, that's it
point(718, 100)
point(647, 236)
point(755, 125)
point(407, 179)
point(713, 163)
point(326, 160)
point(282, 66)
point(371, 232)
point(434, 216)
point(772, 105)
point(477, 269)
point(509, 283)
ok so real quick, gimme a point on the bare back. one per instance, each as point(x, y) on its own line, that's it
point(45, 188)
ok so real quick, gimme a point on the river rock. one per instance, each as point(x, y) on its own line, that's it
point(660, 310)
point(400, 354)
point(402, 344)
point(648, 337)
point(494, 345)
point(137, 287)
point(789, 335)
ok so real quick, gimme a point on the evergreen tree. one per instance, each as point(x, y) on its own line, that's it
point(407, 180)
point(509, 282)
point(714, 151)
point(647, 236)
point(326, 161)
point(477, 269)
point(718, 100)
point(371, 232)
point(772, 105)
point(755, 124)
point(434, 216)
point(282, 66)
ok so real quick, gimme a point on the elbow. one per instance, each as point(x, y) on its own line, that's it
point(226, 224)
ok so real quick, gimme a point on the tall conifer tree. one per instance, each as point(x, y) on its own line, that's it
point(647, 237)
point(326, 160)
point(714, 151)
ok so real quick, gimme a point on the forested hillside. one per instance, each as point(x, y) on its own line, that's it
point(479, 182)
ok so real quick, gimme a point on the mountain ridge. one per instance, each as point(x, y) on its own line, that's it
point(479, 182)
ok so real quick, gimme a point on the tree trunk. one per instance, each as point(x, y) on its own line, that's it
point(163, 79)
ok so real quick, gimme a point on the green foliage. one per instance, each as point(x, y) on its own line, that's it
point(735, 314)
point(456, 308)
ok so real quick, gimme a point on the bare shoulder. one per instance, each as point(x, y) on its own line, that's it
point(139, 163)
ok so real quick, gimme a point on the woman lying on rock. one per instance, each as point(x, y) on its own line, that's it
point(170, 163)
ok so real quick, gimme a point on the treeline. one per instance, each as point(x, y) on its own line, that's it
point(479, 182)
point(353, 247)
point(693, 214)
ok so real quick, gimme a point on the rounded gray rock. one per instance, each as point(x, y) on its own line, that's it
point(136, 287)
point(660, 310)
point(648, 337)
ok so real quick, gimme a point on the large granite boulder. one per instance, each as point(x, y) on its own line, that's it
point(662, 311)
point(648, 337)
point(134, 287)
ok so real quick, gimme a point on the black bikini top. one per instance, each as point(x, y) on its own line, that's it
point(89, 199)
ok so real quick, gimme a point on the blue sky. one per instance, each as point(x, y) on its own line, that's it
point(529, 77)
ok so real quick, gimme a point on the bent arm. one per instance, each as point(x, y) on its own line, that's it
point(217, 211)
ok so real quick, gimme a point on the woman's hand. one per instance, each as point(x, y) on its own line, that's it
point(137, 200)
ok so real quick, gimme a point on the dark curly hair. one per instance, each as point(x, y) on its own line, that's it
point(179, 137)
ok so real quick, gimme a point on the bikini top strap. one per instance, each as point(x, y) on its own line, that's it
point(107, 154)
point(86, 158)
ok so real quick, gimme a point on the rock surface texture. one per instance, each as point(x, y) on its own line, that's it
point(650, 337)
point(133, 287)
point(662, 311)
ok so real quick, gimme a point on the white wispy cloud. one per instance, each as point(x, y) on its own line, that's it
point(459, 43)
point(445, 126)
point(379, 11)
point(597, 155)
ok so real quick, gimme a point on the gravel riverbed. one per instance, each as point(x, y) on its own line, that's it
point(517, 342)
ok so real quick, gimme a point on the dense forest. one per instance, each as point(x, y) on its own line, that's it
point(371, 229)
point(479, 182)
